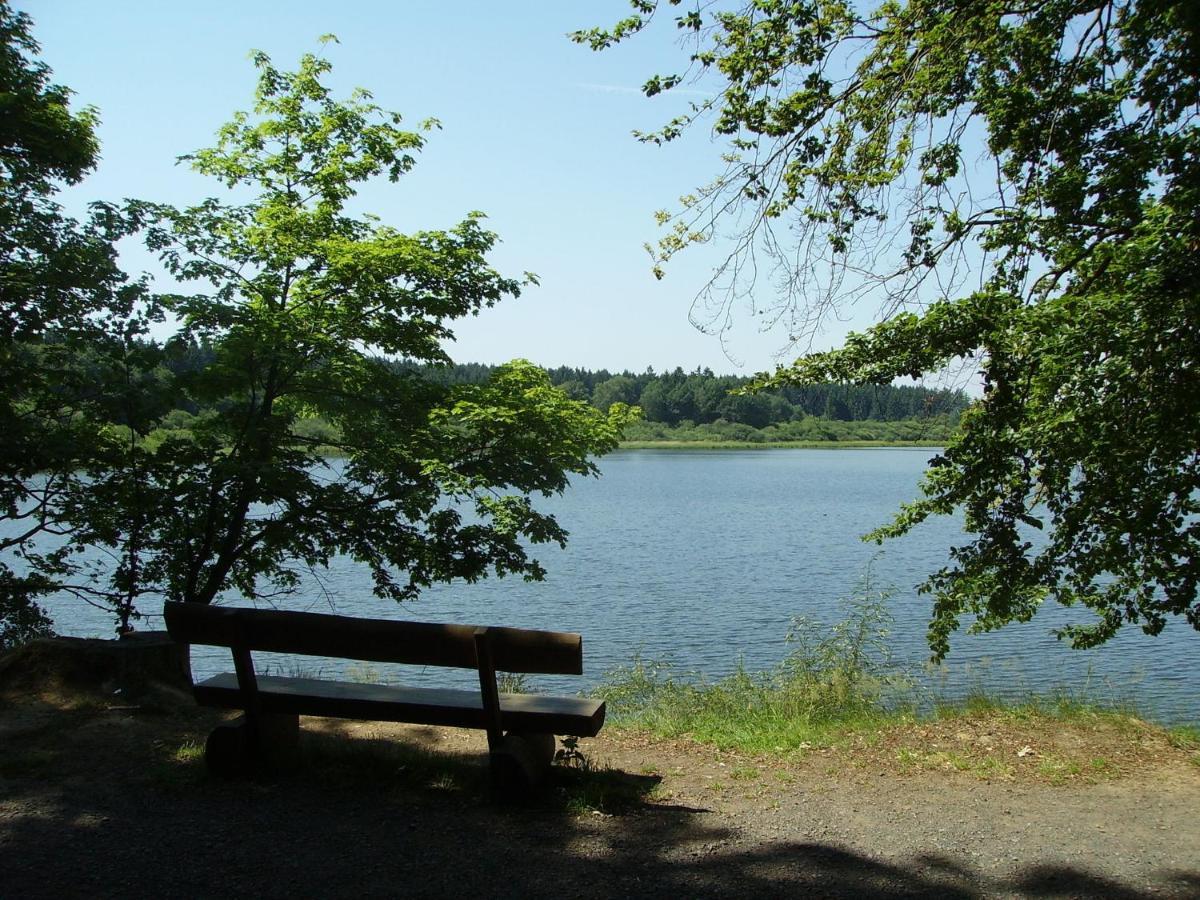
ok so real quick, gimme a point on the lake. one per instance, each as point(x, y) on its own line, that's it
point(702, 559)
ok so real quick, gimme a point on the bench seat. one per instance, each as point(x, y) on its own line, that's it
point(578, 716)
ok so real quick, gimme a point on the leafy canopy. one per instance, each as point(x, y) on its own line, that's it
point(1016, 185)
point(294, 308)
point(60, 289)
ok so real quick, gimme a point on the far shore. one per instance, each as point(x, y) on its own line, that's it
point(776, 445)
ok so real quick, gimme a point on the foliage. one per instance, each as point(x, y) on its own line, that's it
point(300, 294)
point(872, 415)
point(717, 411)
point(853, 656)
point(292, 311)
point(810, 431)
point(21, 619)
point(1049, 153)
point(62, 298)
point(702, 397)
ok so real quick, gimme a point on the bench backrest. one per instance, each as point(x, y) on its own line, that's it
point(376, 640)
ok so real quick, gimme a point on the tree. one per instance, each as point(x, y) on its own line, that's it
point(1064, 264)
point(618, 389)
point(575, 389)
point(60, 289)
point(747, 409)
point(655, 403)
point(301, 310)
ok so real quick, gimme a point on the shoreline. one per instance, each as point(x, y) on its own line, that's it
point(778, 445)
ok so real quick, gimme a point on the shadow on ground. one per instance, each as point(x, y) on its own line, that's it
point(111, 803)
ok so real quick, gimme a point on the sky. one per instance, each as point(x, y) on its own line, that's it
point(535, 133)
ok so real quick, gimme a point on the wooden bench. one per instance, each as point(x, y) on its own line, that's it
point(520, 727)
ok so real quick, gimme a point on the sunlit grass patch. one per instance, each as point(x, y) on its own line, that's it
point(776, 712)
point(177, 766)
point(1058, 771)
point(988, 767)
point(1185, 737)
point(1059, 705)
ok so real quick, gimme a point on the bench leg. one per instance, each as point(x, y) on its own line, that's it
point(520, 764)
point(540, 746)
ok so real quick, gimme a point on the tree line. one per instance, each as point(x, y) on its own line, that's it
point(676, 405)
point(701, 397)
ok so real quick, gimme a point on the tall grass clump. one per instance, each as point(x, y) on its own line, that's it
point(833, 679)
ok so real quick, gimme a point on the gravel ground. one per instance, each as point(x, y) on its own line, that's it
point(102, 802)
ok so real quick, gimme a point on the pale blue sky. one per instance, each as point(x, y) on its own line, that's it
point(536, 134)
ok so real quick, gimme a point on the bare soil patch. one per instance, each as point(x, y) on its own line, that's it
point(104, 797)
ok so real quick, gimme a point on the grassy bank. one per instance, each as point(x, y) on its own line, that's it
point(782, 712)
point(838, 688)
point(1055, 740)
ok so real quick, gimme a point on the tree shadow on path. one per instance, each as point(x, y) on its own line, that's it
point(105, 827)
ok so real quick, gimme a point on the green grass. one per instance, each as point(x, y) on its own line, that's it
point(188, 752)
point(177, 768)
point(1059, 706)
point(600, 789)
point(1058, 771)
point(778, 712)
point(798, 709)
point(794, 710)
point(1185, 737)
point(836, 679)
point(985, 768)
point(577, 785)
point(833, 690)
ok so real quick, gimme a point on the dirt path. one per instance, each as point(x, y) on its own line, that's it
point(115, 802)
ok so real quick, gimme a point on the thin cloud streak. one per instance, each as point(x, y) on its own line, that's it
point(622, 89)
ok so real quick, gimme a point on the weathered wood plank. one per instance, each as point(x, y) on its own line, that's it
point(377, 640)
point(578, 716)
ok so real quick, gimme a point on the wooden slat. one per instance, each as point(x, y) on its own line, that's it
point(578, 716)
point(377, 640)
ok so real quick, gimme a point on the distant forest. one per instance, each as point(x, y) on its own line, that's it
point(701, 398)
point(699, 406)
point(687, 406)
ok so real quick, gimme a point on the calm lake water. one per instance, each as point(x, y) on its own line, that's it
point(702, 558)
